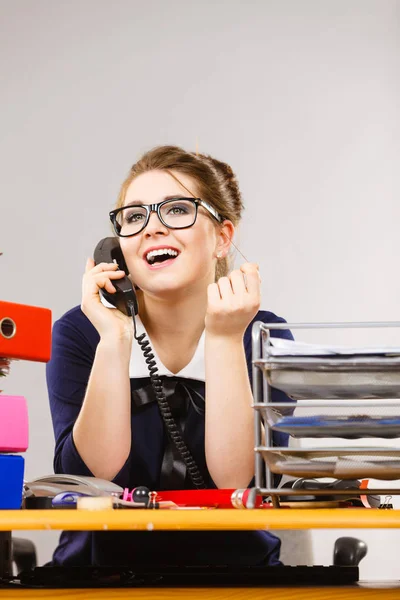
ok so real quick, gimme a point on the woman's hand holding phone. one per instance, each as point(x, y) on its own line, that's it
point(233, 302)
point(110, 323)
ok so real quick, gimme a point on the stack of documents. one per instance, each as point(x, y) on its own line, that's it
point(312, 371)
point(348, 427)
point(281, 347)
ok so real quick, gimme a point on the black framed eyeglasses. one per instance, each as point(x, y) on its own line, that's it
point(174, 213)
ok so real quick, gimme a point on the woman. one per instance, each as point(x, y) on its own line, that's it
point(175, 219)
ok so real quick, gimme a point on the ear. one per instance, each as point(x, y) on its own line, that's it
point(225, 234)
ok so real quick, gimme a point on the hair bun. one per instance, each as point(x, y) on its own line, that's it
point(227, 179)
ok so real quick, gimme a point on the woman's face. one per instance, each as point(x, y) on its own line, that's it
point(197, 246)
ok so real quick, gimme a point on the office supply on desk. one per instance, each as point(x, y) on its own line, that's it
point(53, 484)
point(25, 332)
point(66, 491)
point(332, 377)
point(162, 576)
point(355, 496)
point(306, 371)
point(36, 502)
point(340, 462)
point(284, 347)
point(55, 489)
point(11, 481)
point(211, 498)
point(13, 424)
point(346, 426)
point(59, 486)
point(66, 499)
point(138, 495)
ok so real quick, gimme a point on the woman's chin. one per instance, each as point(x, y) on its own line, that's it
point(168, 289)
point(161, 290)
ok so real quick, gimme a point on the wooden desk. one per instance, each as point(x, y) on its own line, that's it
point(214, 519)
point(228, 519)
point(370, 592)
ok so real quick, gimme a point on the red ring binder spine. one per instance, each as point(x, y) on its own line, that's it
point(25, 332)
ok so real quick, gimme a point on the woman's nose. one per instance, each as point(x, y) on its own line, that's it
point(154, 225)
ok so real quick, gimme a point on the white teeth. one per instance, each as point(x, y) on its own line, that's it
point(151, 255)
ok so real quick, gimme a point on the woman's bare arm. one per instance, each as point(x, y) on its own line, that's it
point(229, 439)
point(102, 431)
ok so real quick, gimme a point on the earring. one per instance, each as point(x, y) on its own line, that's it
point(219, 255)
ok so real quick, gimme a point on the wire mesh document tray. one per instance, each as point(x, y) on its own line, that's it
point(327, 380)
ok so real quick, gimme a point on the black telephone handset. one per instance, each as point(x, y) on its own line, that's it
point(109, 250)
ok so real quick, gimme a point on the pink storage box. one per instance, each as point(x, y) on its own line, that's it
point(13, 424)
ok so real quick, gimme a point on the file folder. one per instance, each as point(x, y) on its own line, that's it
point(11, 481)
point(25, 332)
point(13, 424)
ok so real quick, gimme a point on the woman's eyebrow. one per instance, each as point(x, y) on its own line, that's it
point(133, 203)
point(141, 203)
point(178, 197)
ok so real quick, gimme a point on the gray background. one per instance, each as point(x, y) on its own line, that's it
point(300, 97)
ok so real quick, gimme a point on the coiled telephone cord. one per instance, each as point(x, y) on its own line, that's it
point(165, 411)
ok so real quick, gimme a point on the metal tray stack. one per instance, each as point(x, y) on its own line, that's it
point(321, 386)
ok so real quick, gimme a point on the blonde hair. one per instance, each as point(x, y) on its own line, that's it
point(215, 183)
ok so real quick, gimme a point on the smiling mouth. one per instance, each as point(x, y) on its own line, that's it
point(159, 256)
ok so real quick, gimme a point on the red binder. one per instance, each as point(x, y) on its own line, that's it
point(25, 332)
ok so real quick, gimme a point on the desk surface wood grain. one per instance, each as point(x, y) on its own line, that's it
point(375, 591)
point(213, 519)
